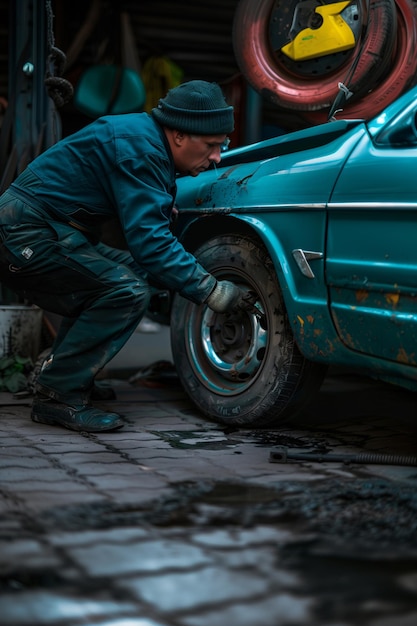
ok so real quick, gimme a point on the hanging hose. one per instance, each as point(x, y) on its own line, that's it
point(59, 89)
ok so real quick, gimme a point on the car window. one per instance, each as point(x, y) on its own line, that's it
point(402, 131)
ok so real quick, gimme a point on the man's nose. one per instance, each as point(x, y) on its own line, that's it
point(216, 155)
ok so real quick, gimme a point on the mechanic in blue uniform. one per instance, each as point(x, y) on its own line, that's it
point(51, 254)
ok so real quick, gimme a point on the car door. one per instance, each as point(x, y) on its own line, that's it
point(371, 266)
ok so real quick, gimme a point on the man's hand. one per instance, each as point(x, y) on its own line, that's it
point(225, 297)
point(247, 303)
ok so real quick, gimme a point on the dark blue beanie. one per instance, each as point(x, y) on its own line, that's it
point(196, 107)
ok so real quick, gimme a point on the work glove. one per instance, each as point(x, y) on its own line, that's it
point(225, 297)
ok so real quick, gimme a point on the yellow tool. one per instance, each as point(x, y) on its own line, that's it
point(333, 35)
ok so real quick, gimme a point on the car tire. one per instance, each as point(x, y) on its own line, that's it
point(283, 85)
point(402, 74)
point(237, 369)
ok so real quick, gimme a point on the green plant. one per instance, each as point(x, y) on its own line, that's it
point(13, 372)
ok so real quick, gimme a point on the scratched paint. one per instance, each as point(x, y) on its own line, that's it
point(392, 298)
point(403, 357)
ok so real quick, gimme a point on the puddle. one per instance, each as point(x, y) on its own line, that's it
point(278, 439)
point(225, 438)
point(204, 439)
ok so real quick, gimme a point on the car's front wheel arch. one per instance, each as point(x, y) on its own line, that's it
point(204, 228)
point(207, 226)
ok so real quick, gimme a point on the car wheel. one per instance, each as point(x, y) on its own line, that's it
point(241, 368)
point(312, 84)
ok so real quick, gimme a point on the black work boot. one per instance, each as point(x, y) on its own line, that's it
point(83, 417)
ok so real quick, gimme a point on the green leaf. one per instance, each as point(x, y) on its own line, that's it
point(23, 360)
point(16, 382)
point(6, 361)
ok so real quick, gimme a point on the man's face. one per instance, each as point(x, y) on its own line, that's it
point(195, 153)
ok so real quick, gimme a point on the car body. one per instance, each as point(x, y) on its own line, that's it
point(320, 227)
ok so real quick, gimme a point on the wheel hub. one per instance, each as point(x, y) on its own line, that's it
point(233, 345)
point(228, 334)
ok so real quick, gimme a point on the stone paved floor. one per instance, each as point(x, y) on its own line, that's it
point(178, 521)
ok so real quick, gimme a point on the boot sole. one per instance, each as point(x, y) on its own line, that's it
point(56, 421)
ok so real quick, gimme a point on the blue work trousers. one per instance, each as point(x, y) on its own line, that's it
point(100, 292)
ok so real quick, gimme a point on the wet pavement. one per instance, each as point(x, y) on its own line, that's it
point(178, 521)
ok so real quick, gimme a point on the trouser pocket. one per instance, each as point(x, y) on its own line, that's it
point(37, 262)
point(61, 271)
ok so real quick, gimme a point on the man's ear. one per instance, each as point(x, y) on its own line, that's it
point(178, 137)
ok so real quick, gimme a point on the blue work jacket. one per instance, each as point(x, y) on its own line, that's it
point(119, 166)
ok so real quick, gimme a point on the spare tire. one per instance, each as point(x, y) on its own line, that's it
point(311, 85)
point(402, 74)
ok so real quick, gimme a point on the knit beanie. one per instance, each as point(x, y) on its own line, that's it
point(196, 107)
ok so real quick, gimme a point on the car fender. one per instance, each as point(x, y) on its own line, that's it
point(305, 298)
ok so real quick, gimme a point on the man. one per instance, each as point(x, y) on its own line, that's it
point(122, 166)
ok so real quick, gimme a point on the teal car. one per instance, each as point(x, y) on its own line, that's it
point(319, 226)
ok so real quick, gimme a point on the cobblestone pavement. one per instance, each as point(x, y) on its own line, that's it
point(178, 521)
